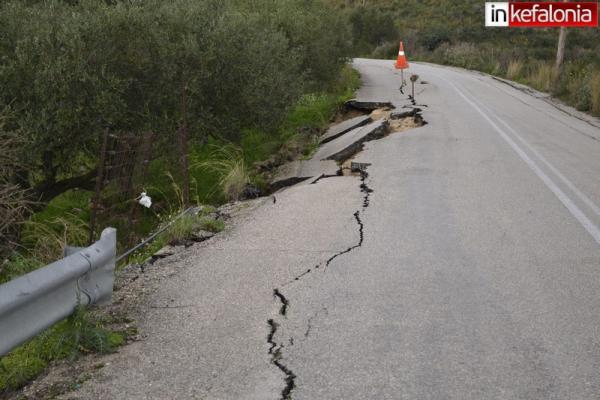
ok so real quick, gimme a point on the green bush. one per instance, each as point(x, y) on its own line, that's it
point(583, 96)
point(16, 265)
point(212, 225)
point(384, 51)
point(216, 67)
point(371, 28)
point(228, 71)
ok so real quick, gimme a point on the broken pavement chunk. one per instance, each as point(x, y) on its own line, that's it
point(359, 166)
point(201, 236)
point(165, 252)
point(351, 143)
point(404, 114)
point(367, 105)
point(300, 170)
point(344, 127)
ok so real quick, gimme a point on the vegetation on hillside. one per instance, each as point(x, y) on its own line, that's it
point(229, 73)
point(453, 33)
point(222, 86)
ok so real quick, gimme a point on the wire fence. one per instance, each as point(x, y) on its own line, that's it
point(118, 177)
point(153, 236)
point(122, 175)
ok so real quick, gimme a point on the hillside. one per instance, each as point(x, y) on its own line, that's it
point(454, 33)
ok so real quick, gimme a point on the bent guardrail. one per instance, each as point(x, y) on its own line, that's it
point(35, 301)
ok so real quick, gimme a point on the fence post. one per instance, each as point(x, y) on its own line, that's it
point(98, 189)
point(183, 148)
point(146, 153)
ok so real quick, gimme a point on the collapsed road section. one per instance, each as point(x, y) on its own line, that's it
point(345, 139)
point(340, 144)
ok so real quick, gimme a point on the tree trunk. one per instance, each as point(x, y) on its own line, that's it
point(183, 143)
point(560, 53)
point(46, 191)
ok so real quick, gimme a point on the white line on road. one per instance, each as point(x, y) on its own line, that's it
point(585, 199)
point(567, 202)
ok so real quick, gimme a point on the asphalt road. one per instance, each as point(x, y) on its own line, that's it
point(471, 271)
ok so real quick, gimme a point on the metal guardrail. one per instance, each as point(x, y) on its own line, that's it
point(150, 238)
point(35, 301)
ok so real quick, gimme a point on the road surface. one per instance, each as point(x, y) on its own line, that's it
point(466, 267)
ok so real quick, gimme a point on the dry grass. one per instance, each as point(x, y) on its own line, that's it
point(514, 69)
point(180, 205)
point(15, 201)
point(542, 76)
point(497, 70)
point(14, 206)
point(47, 240)
point(465, 55)
point(595, 85)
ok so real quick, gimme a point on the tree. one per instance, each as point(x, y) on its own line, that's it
point(212, 68)
point(371, 27)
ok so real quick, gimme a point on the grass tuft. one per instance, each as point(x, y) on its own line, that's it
point(182, 228)
point(542, 76)
point(212, 225)
point(595, 92)
point(227, 162)
point(83, 332)
point(513, 72)
point(17, 265)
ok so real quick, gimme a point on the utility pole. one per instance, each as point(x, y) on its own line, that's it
point(560, 53)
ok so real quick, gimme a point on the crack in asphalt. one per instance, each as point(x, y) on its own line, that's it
point(290, 377)
point(349, 249)
point(324, 176)
point(273, 329)
point(275, 349)
point(364, 188)
point(308, 271)
point(284, 302)
point(310, 320)
point(275, 352)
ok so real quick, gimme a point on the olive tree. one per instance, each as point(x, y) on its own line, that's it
point(71, 70)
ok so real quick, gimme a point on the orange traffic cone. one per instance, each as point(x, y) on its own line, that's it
point(401, 63)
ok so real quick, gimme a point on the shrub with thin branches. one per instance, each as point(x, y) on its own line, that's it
point(14, 200)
